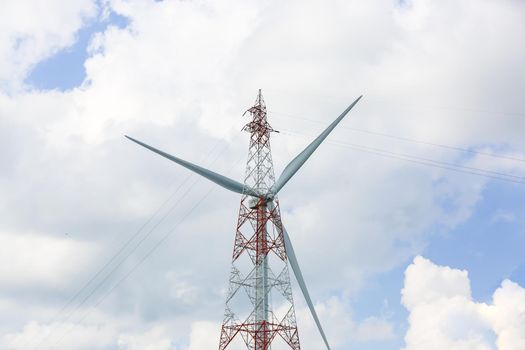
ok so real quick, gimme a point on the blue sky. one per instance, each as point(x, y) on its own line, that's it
point(180, 75)
point(487, 247)
point(65, 70)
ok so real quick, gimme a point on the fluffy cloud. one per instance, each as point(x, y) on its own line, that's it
point(156, 338)
point(43, 261)
point(32, 31)
point(82, 337)
point(444, 316)
point(179, 76)
point(201, 337)
point(342, 329)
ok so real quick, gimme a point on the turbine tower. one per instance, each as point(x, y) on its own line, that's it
point(259, 304)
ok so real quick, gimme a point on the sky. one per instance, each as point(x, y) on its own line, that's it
point(408, 222)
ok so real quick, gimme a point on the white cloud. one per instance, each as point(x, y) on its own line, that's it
point(508, 316)
point(204, 335)
point(503, 216)
point(444, 316)
point(31, 31)
point(156, 338)
point(42, 261)
point(73, 336)
point(426, 283)
point(374, 329)
point(341, 329)
point(179, 77)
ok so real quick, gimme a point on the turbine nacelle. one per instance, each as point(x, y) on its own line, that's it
point(264, 201)
point(269, 197)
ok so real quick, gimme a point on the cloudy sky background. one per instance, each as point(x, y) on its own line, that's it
point(397, 254)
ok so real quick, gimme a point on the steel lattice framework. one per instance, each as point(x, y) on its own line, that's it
point(259, 235)
point(259, 305)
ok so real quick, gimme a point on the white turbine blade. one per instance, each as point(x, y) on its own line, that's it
point(220, 180)
point(302, 157)
point(292, 259)
point(299, 276)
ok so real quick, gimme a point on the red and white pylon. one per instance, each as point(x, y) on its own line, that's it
point(259, 236)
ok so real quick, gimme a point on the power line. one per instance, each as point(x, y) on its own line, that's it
point(124, 258)
point(406, 157)
point(125, 246)
point(121, 249)
point(466, 150)
point(109, 262)
point(406, 139)
point(144, 258)
point(427, 161)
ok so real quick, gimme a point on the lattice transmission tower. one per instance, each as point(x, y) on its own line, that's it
point(259, 304)
point(263, 276)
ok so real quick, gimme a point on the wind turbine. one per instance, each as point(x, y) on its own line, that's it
point(259, 233)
